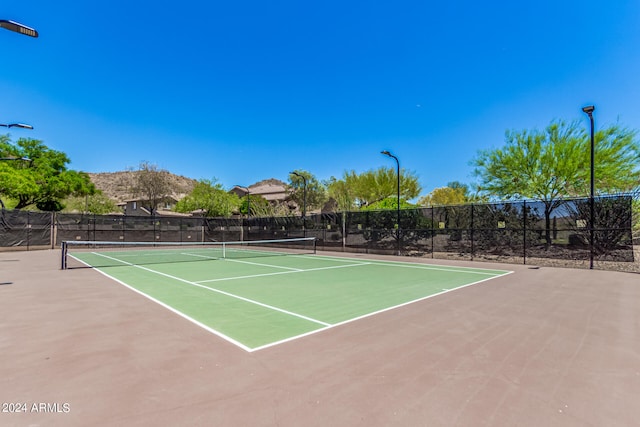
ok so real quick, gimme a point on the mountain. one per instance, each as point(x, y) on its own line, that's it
point(117, 185)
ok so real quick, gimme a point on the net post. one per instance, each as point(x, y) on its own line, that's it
point(315, 245)
point(224, 250)
point(63, 260)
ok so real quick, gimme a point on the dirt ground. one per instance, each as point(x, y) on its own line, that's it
point(540, 347)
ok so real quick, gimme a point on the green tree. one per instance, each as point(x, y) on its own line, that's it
point(453, 194)
point(42, 180)
point(390, 203)
point(316, 193)
point(554, 163)
point(256, 203)
point(371, 187)
point(341, 193)
point(211, 198)
point(97, 203)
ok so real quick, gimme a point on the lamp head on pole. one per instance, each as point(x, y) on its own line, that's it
point(18, 28)
point(387, 153)
point(589, 109)
point(299, 175)
point(17, 125)
point(12, 158)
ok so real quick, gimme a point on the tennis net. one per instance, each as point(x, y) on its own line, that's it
point(80, 253)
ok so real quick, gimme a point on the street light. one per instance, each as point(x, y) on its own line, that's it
point(26, 159)
point(386, 153)
point(17, 125)
point(589, 111)
point(304, 202)
point(18, 28)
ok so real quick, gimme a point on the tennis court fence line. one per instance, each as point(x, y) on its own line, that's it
point(524, 232)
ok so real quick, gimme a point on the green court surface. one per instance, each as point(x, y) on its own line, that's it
point(259, 302)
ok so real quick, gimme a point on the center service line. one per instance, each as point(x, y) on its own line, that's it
point(221, 292)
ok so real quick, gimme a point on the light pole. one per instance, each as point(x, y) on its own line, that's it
point(589, 111)
point(386, 153)
point(304, 202)
point(18, 28)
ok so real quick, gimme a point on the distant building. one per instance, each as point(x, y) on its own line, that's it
point(139, 207)
point(273, 190)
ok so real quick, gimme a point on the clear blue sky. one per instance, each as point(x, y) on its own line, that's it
point(247, 90)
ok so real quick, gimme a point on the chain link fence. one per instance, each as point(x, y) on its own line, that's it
point(556, 233)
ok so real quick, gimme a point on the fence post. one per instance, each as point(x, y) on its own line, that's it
point(28, 229)
point(52, 237)
point(433, 232)
point(343, 216)
point(473, 249)
point(524, 232)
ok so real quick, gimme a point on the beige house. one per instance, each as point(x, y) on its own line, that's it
point(273, 190)
point(137, 207)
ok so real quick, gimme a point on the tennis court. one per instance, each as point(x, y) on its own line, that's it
point(259, 294)
point(541, 346)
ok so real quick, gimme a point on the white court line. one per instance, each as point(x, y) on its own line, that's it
point(262, 265)
point(244, 262)
point(223, 279)
point(271, 307)
point(325, 325)
point(419, 267)
point(456, 269)
point(374, 313)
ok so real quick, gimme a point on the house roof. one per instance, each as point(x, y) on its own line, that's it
point(174, 197)
point(270, 189)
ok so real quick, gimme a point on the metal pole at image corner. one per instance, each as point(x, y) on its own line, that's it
point(589, 111)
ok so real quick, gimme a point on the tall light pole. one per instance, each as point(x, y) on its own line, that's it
point(304, 202)
point(589, 111)
point(386, 153)
point(18, 28)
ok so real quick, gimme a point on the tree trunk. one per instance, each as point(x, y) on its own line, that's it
point(547, 225)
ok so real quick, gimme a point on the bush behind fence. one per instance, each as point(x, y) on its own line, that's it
point(528, 232)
